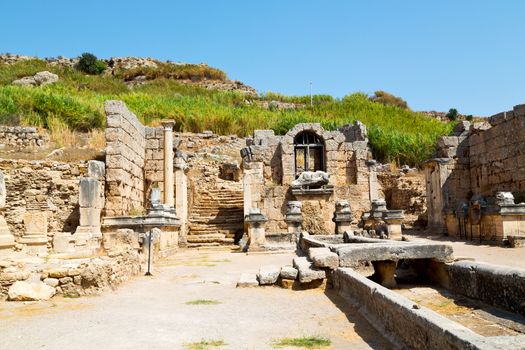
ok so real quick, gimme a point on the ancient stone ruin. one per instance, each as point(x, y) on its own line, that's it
point(77, 228)
point(476, 182)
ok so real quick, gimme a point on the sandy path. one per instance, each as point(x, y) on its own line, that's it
point(151, 312)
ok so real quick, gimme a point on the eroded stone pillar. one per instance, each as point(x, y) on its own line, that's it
point(169, 197)
point(7, 240)
point(181, 196)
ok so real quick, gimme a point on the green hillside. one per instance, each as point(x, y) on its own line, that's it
point(76, 101)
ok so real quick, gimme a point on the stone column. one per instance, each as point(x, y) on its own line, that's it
point(256, 231)
point(7, 240)
point(181, 196)
point(342, 217)
point(169, 197)
point(294, 217)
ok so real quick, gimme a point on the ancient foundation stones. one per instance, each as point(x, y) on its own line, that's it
point(289, 273)
point(323, 257)
point(307, 271)
point(247, 280)
point(268, 274)
point(25, 291)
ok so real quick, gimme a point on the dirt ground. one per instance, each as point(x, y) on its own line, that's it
point(152, 312)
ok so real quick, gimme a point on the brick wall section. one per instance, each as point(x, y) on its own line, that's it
point(125, 160)
point(44, 186)
point(22, 137)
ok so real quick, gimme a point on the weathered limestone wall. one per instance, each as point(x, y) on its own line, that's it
point(22, 137)
point(497, 161)
point(498, 286)
point(476, 161)
point(271, 172)
point(125, 160)
point(42, 186)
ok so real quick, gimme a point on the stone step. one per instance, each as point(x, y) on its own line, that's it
point(307, 271)
point(206, 238)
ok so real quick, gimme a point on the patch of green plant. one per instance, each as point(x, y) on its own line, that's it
point(205, 344)
point(90, 64)
point(76, 100)
point(203, 302)
point(313, 342)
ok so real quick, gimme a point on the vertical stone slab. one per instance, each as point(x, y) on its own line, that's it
point(181, 196)
point(169, 197)
point(7, 240)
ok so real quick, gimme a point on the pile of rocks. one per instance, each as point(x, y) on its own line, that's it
point(23, 281)
point(310, 271)
point(39, 79)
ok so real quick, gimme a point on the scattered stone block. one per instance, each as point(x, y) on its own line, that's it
point(289, 273)
point(307, 271)
point(25, 291)
point(323, 257)
point(58, 272)
point(268, 274)
point(516, 241)
point(352, 254)
point(247, 280)
point(53, 282)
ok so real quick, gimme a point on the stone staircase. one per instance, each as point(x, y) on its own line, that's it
point(216, 215)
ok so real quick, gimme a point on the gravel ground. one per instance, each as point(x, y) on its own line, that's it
point(151, 312)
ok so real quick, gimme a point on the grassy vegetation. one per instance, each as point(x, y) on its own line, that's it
point(205, 344)
point(203, 302)
point(304, 342)
point(76, 102)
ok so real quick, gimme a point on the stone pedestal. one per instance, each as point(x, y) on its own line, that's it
point(342, 217)
point(394, 219)
point(255, 221)
point(35, 236)
point(169, 197)
point(294, 217)
point(384, 273)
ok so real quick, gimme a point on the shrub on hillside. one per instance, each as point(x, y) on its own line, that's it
point(386, 98)
point(452, 114)
point(90, 64)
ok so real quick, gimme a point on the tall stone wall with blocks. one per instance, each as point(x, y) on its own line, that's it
point(476, 161)
point(125, 160)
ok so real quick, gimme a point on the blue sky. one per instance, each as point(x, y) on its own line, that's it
point(437, 55)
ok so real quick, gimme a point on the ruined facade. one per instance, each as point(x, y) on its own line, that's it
point(274, 168)
point(477, 175)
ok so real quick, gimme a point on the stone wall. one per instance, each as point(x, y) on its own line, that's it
point(270, 170)
point(498, 286)
point(22, 137)
point(125, 160)
point(42, 186)
point(476, 162)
